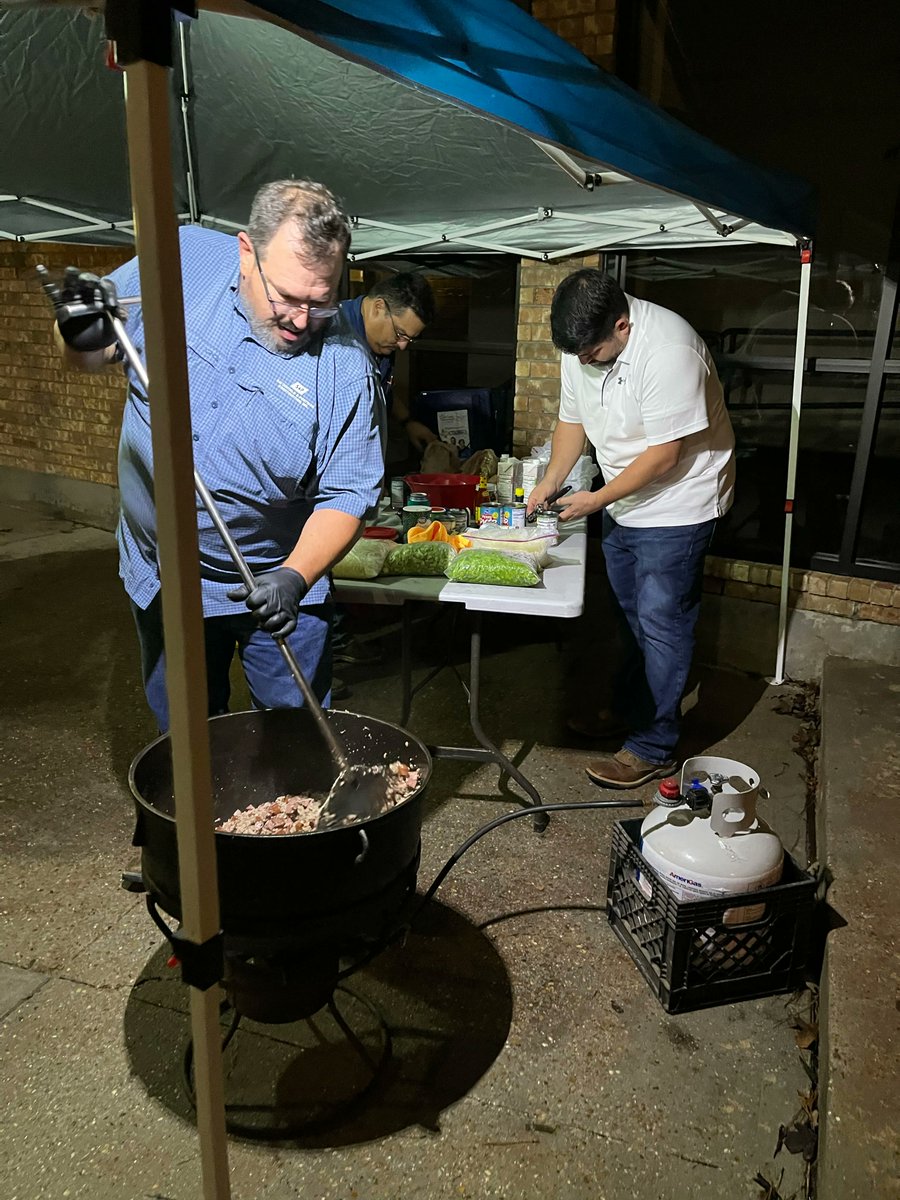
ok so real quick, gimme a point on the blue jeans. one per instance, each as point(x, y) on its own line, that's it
point(656, 576)
point(271, 683)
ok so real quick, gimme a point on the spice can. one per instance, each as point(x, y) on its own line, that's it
point(398, 488)
point(547, 523)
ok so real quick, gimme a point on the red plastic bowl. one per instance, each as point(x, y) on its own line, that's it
point(382, 532)
point(449, 491)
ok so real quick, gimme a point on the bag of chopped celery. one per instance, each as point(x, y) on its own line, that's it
point(494, 566)
point(421, 558)
point(364, 560)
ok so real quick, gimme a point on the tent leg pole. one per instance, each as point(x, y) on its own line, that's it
point(793, 445)
point(149, 153)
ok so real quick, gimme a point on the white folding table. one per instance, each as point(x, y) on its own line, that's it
point(559, 594)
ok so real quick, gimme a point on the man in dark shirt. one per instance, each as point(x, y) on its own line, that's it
point(390, 318)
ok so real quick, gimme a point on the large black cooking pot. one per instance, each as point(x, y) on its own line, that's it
point(300, 887)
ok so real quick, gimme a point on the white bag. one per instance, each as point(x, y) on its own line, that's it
point(582, 474)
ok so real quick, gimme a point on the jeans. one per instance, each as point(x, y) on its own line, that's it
point(271, 683)
point(656, 576)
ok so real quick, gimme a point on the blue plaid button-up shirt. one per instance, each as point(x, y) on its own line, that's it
point(275, 438)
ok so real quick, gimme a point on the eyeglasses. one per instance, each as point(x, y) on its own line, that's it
point(398, 333)
point(279, 307)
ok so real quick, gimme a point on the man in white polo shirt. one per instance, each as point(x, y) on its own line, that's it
point(639, 383)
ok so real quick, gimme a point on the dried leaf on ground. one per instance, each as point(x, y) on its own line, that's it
point(806, 1034)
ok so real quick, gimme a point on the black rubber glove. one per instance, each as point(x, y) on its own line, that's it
point(275, 601)
point(83, 306)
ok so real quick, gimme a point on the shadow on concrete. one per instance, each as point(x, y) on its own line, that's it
point(720, 702)
point(426, 1019)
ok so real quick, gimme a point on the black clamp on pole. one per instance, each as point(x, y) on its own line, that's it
point(142, 29)
point(203, 963)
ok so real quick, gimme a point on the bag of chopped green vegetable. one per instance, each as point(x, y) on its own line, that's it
point(421, 558)
point(494, 566)
point(364, 560)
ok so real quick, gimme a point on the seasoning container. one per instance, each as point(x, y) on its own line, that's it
point(398, 488)
point(547, 523)
point(460, 520)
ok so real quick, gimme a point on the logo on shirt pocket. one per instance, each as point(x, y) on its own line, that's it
point(296, 391)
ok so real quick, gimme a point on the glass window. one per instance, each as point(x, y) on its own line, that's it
point(743, 301)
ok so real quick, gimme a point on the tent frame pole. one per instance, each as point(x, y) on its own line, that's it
point(806, 256)
point(147, 106)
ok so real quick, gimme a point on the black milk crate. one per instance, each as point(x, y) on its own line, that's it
point(684, 949)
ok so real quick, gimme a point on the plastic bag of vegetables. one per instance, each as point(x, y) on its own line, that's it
point(527, 542)
point(421, 558)
point(363, 560)
point(494, 566)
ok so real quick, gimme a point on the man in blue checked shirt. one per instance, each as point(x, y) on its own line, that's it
point(286, 437)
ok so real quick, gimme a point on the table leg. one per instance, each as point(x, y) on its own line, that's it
point(406, 660)
point(489, 752)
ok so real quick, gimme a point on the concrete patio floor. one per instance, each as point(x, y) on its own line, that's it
point(529, 1057)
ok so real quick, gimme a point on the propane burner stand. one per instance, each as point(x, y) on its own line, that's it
point(348, 1031)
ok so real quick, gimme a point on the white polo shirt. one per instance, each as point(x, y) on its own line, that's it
point(662, 386)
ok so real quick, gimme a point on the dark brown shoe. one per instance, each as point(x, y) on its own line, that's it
point(626, 770)
point(599, 726)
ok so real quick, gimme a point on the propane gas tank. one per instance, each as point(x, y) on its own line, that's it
point(710, 842)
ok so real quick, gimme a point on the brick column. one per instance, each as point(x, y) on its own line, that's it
point(537, 361)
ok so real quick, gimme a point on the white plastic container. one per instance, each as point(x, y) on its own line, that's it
point(719, 851)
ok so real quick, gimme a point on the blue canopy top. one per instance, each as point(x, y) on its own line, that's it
point(461, 126)
point(493, 58)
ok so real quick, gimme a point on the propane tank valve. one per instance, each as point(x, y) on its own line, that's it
point(668, 794)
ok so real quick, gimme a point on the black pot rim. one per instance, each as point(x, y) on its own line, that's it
point(255, 712)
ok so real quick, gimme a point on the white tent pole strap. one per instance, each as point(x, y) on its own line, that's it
point(48, 234)
point(65, 212)
point(566, 164)
point(793, 446)
point(163, 313)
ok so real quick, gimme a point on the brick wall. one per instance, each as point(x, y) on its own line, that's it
point(809, 591)
point(589, 25)
point(52, 420)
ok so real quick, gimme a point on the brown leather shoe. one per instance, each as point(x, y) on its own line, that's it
point(598, 726)
point(626, 770)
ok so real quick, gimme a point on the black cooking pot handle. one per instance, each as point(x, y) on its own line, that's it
point(139, 839)
point(364, 838)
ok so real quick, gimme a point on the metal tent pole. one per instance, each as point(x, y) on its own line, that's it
point(149, 153)
point(793, 444)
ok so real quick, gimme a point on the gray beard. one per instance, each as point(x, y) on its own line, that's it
point(266, 333)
